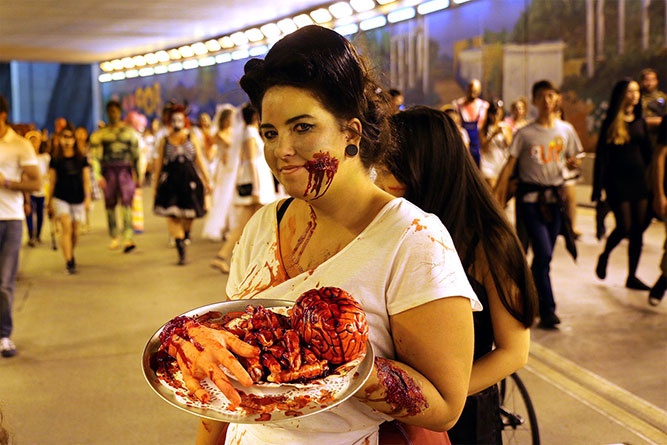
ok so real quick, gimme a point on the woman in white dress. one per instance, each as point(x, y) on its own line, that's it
point(254, 184)
point(495, 138)
point(324, 126)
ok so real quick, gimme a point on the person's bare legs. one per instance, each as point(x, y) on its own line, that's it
point(223, 258)
point(66, 236)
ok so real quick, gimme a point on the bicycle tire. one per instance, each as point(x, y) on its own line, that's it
point(510, 413)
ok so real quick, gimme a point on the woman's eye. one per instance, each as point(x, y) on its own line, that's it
point(270, 134)
point(302, 127)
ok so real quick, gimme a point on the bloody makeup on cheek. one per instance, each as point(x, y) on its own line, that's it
point(321, 170)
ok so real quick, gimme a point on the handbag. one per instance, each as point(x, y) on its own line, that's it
point(244, 189)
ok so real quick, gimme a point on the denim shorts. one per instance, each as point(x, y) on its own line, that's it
point(75, 211)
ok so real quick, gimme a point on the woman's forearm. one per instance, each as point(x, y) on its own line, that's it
point(495, 366)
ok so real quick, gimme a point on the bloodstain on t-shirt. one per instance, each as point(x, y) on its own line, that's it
point(322, 165)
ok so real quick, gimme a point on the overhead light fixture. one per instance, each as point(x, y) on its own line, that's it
point(106, 66)
point(161, 69)
point(176, 66)
point(287, 26)
point(186, 51)
point(105, 77)
point(190, 64)
point(117, 64)
point(254, 35)
point(226, 42)
point(130, 74)
point(460, 2)
point(151, 58)
point(240, 54)
point(302, 20)
point(346, 30)
point(239, 38)
point(384, 2)
point(258, 50)
point(373, 23)
point(321, 15)
point(199, 48)
point(207, 61)
point(270, 30)
point(148, 71)
point(118, 76)
point(162, 56)
point(401, 14)
point(362, 5)
point(223, 58)
point(341, 9)
point(139, 61)
point(174, 54)
point(432, 6)
point(127, 62)
point(213, 45)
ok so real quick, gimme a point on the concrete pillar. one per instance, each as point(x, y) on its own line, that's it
point(600, 30)
point(15, 104)
point(645, 22)
point(621, 26)
point(590, 43)
point(96, 96)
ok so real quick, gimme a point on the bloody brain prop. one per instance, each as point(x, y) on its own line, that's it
point(331, 323)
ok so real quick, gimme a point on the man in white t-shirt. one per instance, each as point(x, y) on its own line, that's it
point(18, 173)
point(541, 150)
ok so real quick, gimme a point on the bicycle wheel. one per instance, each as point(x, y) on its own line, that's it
point(517, 413)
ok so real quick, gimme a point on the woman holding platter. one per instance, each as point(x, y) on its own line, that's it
point(324, 125)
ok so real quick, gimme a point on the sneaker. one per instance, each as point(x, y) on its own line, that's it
point(70, 267)
point(115, 244)
point(32, 243)
point(7, 347)
point(549, 321)
point(601, 268)
point(129, 246)
point(657, 291)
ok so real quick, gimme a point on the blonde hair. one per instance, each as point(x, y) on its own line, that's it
point(618, 130)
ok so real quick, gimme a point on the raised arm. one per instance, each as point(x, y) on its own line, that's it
point(500, 190)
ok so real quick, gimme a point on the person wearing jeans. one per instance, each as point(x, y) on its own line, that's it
point(18, 174)
point(541, 150)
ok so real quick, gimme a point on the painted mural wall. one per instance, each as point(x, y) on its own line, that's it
point(583, 45)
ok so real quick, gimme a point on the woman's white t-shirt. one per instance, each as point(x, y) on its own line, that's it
point(403, 259)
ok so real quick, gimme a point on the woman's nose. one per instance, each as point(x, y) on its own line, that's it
point(284, 147)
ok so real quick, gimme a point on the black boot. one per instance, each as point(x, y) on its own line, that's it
point(180, 246)
point(601, 268)
point(657, 291)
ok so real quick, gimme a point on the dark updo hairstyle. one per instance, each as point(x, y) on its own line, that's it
point(441, 178)
point(326, 64)
point(248, 112)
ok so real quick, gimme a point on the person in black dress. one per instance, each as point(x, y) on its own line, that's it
point(179, 190)
point(621, 161)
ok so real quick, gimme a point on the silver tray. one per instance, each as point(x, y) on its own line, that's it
point(340, 387)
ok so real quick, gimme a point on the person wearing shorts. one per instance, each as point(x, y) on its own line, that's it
point(69, 176)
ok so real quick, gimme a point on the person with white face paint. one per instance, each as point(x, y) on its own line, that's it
point(179, 189)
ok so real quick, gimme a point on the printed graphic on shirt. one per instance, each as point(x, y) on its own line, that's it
point(551, 153)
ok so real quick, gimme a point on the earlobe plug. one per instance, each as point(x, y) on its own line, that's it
point(351, 150)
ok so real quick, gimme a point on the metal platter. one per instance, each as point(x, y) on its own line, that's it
point(321, 395)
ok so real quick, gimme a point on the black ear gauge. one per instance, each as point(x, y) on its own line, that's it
point(351, 150)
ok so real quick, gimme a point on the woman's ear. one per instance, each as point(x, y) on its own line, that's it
point(352, 129)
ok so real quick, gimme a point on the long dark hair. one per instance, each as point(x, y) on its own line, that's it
point(441, 178)
point(58, 152)
point(323, 62)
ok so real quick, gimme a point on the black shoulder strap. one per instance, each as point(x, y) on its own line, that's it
point(283, 208)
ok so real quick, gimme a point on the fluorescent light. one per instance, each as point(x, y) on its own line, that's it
point(139, 61)
point(146, 71)
point(223, 58)
point(226, 42)
point(384, 2)
point(302, 20)
point(174, 54)
point(130, 74)
point(401, 14)
point(190, 64)
point(213, 45)
point(207, 61)
point(127, 62)
point(432, 6)
point(346, 30)
point(362, 5)
point(106, 77)
point(118, 76)
point(239, 38)
point(151, 58)
point(341, 9)
point(373, 23)
point(117, 64)
point(321, 15)
point(287, 26)
point(270, 30)
point(460, 2)
point(258, 50)
point(162, 56)
point(199, 48)
point(186, 51)
point(176, 66)
point(240, 54)
point(272, 41)
point(161, 69)
point(254, 35)
point(106, 66)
